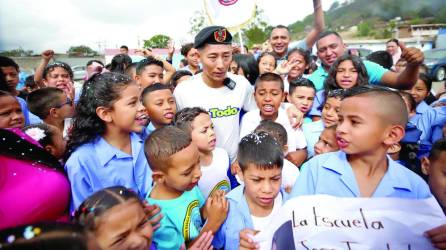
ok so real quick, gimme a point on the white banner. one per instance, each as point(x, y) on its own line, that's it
point(327, 222)
point(230, 13)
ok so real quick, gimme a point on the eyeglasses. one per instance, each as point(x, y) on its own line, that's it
point(68, 101)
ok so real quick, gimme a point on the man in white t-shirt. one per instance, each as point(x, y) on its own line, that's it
point(220, 93)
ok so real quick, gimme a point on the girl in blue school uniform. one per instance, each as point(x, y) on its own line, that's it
point(104, 148)
point(425, 115)
point(348, 71)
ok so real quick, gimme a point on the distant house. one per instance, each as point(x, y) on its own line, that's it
point(136, 57)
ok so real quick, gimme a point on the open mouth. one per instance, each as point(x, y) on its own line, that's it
point(168, 115)
point(268, 108)
point(341, 142)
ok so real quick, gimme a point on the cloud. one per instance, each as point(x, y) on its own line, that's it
point(43, 24)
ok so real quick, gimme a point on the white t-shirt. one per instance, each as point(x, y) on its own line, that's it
point(261, 223)
point(223, 105)
point(289, 174)
point(214, 176)
point(296, 138)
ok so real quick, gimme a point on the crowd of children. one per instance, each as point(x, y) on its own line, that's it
point(147, 157)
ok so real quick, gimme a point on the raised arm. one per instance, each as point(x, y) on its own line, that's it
point(318, 25)
point(38, 75)
point(407, 78)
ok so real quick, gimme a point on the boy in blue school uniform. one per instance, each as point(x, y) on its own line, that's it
point(253, 204)
point(175, 163)
point(434, 167)
point(366, 130)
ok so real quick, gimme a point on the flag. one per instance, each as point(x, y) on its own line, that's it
point(232, 14)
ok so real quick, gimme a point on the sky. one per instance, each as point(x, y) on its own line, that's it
point(48, 24)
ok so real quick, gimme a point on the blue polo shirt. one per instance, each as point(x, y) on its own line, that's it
point(312, 131)
point(424, 119)
point(374, 70)
point(332, 174)
point(440, 121)
point(238, 218)
point(97, 165)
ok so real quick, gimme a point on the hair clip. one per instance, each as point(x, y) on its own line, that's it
point(36, 133)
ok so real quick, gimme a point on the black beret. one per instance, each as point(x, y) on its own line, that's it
point(212, 35)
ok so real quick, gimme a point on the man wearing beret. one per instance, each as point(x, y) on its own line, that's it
point(221, 93)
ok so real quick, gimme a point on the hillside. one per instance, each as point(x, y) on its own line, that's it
point(373, 17)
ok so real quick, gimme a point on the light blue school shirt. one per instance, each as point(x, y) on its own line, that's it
point(374, 70)
point(440, 121)
point(181, 220)
point(97, 165)
point(319, 99)
point(312, 131)
point(332, 174)
point(148, 130)
point(424, 119)
point(25, 110)
point(238, 218)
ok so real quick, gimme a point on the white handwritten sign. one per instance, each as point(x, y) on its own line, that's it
point(327, 222)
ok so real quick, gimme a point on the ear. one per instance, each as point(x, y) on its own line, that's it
point(394, 135)
point(158, 176)
point(50, 149)
point(104, 114)
point(53, 112)
point(285, 149)
point(45, 82)
point(285, 94)
point(425, 165)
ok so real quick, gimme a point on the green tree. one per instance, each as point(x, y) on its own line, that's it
point(364, 29)
point(258, 30)
point(17, 52)
point(82, 50)
point(157, 41)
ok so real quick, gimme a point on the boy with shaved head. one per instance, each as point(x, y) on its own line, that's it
point(367, 128)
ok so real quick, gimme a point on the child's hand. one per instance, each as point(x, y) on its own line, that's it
point(246, 241)
point(203, 242)
point(295, 116)
point(218, 208)
point(413, 56)
point(153, 212)
point(47, 54)
point(69, 90)
point(234, 168)
point(145, 52)
point(437, 236)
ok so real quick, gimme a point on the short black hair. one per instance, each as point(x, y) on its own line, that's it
point(124, 47)
point(8, 62)
point(186, 48)
point(50, 67)
point(269, 76)
point(275, 129)
point(146, 62)
point(327, 33)
point(259, 149)
point(393, 40)
point(163, 143)
point(301, 82)
point(387, 98)
point(280, 26)
point(438, 147)
point(426, 79)
point(154, 87)
point(94, 61)
point(130, 67)
point(409, 98)
point(382, 58)
point(40, 101)
point(184, 118)
point(177, 75)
